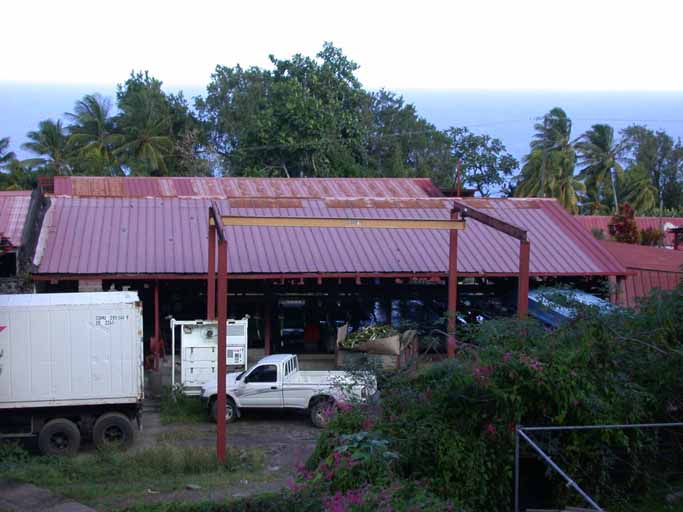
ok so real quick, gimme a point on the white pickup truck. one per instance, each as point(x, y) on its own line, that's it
point(276, 382)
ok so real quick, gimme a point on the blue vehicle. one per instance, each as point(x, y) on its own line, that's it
point(554, 306)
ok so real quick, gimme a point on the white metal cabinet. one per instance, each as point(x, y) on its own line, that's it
point(199, 351)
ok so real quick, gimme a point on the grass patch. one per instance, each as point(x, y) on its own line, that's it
point(94, 477)
point(176, 407)
point(181, 434)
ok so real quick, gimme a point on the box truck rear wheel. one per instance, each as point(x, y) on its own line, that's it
point(113, 429)
point(59, 437)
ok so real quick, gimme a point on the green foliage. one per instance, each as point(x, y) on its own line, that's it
point(311, 117)
point(486, 164)
point(177, 407)
point(49, 142)
point(599, 156)
point(658, 160)
point(548, 170)
point(369, 333)
point(651, 236)
point(452, 426)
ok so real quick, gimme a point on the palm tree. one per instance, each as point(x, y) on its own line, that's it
point(638, 189)
point(599, 156)
point(147, 136)
point(18, 176)
point(548, 170)
point(6, 156)
point(92, 133)
point(552, 136)
point(50, 142)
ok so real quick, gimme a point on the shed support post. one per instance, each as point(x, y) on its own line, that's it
point(452, 286)
point(267, 327)
point(523, 285)
point(222, 338)
point(156, 343)
point(619, 293)
point(211, 276)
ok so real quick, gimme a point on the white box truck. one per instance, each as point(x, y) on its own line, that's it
point(71, 367)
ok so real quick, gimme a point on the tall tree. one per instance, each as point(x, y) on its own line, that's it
point(486, 164)
point(6, 156)
point(17, 175)
point(311, 117)
point(599, 157)
point(638, 190)
point(659, 157)
point(305, 117)
point(548, 169)
point(50, 143)
point(93, 136)
point(145, 124)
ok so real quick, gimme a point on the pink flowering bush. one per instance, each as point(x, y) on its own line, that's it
point(452, 427)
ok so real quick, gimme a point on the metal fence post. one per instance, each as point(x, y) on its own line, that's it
point(516, 468)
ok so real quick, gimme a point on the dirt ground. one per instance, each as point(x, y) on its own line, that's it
point(286, 439)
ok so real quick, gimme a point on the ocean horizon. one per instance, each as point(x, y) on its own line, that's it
point(507, 115)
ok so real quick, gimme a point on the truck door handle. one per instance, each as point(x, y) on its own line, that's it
point(273, 387)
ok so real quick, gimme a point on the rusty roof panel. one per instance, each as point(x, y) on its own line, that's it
point(154, 236)
point(13, 210)
point(655, 268)
point(223, 188)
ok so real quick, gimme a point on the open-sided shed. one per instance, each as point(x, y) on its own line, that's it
point(154, 231)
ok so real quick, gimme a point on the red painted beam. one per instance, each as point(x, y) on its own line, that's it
point(222, 338)
point(452, 287)
point(523, 286)
point(333, 275)
point(211, 276)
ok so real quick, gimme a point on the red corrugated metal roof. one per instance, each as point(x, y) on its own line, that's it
point(13, 210)
point(646, 258)
point(602, 222)
point(159, 236)
point(225, 188)
point(654, 268)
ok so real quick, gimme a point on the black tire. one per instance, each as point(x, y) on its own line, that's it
point(113, 429)
point(230, 410)
point(321, 412)
point(59, 437)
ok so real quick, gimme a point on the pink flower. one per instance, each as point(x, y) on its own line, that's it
point(507, 357)
point(344, 406)
point(490, 429)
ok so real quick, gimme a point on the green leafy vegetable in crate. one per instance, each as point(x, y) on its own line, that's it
point(368, 334)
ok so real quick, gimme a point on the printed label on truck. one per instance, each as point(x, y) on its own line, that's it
point(108, 320)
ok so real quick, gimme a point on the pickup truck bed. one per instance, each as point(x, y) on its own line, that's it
point(276, 382)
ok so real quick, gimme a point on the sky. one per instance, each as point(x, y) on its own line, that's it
point(598, 45)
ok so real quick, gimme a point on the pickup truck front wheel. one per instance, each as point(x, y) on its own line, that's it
point(322, 412)
point(230, 410)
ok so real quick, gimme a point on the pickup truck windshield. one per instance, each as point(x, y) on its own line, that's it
point(265, 373)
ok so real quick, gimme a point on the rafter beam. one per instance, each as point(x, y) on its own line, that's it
point(307, 222)
point(497, 224)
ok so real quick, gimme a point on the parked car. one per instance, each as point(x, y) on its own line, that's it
point(554, 306)
point(276, 382)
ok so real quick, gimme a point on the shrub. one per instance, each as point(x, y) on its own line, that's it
point(651, 236)
point(452, 426)
point(623, 226)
